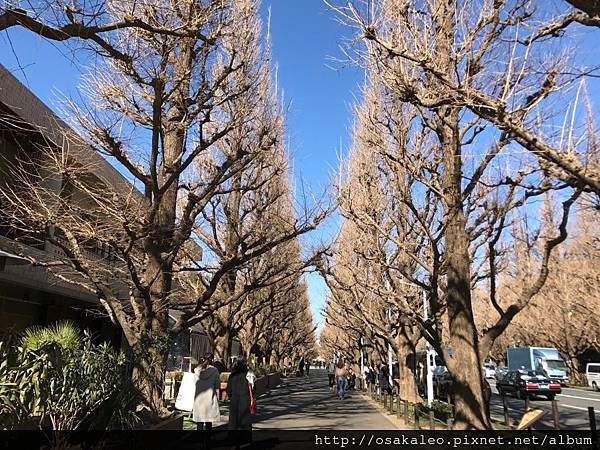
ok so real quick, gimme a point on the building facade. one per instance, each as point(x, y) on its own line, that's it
point(32, 295)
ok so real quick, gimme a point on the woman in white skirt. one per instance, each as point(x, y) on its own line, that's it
point(206, 401)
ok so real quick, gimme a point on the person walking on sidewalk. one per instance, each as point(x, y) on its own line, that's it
point(239, 391)
point(384, 379)
point(331, 375)
point(206, 398)
point(351, 379)
point(340, 379)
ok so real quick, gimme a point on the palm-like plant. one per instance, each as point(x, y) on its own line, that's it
point(65, 335)
point(60, 374)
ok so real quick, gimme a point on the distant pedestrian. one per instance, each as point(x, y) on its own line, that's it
point(384, 379)
point(373, 376)
point(351, 379)
point(366, 375)
point(331, 375)
point(301, 366)
point(307, 366)
point(340, 379)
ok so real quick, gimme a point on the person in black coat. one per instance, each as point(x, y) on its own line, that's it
point(239, 397)
point(384, 380)
point(351, 379)
point(238, 391)
point(373, 375)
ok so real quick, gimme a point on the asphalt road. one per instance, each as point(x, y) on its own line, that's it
point(572, 407)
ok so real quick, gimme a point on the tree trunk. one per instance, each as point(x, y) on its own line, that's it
point(575, 375)
point(223, 344)
point(465, 364)
point(406, 370)
point(150, 360)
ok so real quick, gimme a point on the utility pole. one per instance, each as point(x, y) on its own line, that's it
point(390, 352)
point(429, 354)
point(362, 357)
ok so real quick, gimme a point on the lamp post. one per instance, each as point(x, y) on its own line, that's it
point(390, 378)
point(362, 356)
point(429, 353)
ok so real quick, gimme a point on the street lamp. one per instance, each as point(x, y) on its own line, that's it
point(390, 377)
point(429, 353)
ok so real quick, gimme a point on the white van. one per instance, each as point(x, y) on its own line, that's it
point(592, 373)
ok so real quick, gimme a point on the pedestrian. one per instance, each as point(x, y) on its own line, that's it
point(240, 394)
point(206, 399)
point(307, 366)
point(340, 379)
point(331, 375)
point(365, 376)
point(373, 377)
point(250, 377)
point(384, 379)
point(351, 379)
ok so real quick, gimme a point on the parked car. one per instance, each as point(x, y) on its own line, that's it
point(500, 373)
point(592, 373)
point(489, 370)
point(527, 384)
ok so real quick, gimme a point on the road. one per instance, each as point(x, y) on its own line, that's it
point(572, 406)
point(308, 403)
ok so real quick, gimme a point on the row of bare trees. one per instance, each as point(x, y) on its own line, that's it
point(470, 117)
point(564, 314)
point(179, 97)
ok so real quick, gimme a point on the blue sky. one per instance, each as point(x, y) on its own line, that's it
point(305, 36)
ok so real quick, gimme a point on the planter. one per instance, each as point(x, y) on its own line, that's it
point(33, 423)
point(274, 380)
point(170, 424)
point(261, 386)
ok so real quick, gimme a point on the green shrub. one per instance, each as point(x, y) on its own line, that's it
point(441, 410)
point(57, 373)
point(20, 396)
point(252, 362)
point(261, 371)
point(224, 377)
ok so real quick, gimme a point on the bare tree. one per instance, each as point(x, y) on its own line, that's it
point(459, 66)
point(506, 93)
point(380, 248)
point(563, 314)
point(176, 99)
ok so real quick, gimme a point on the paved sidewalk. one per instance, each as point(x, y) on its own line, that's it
point(308, 403)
